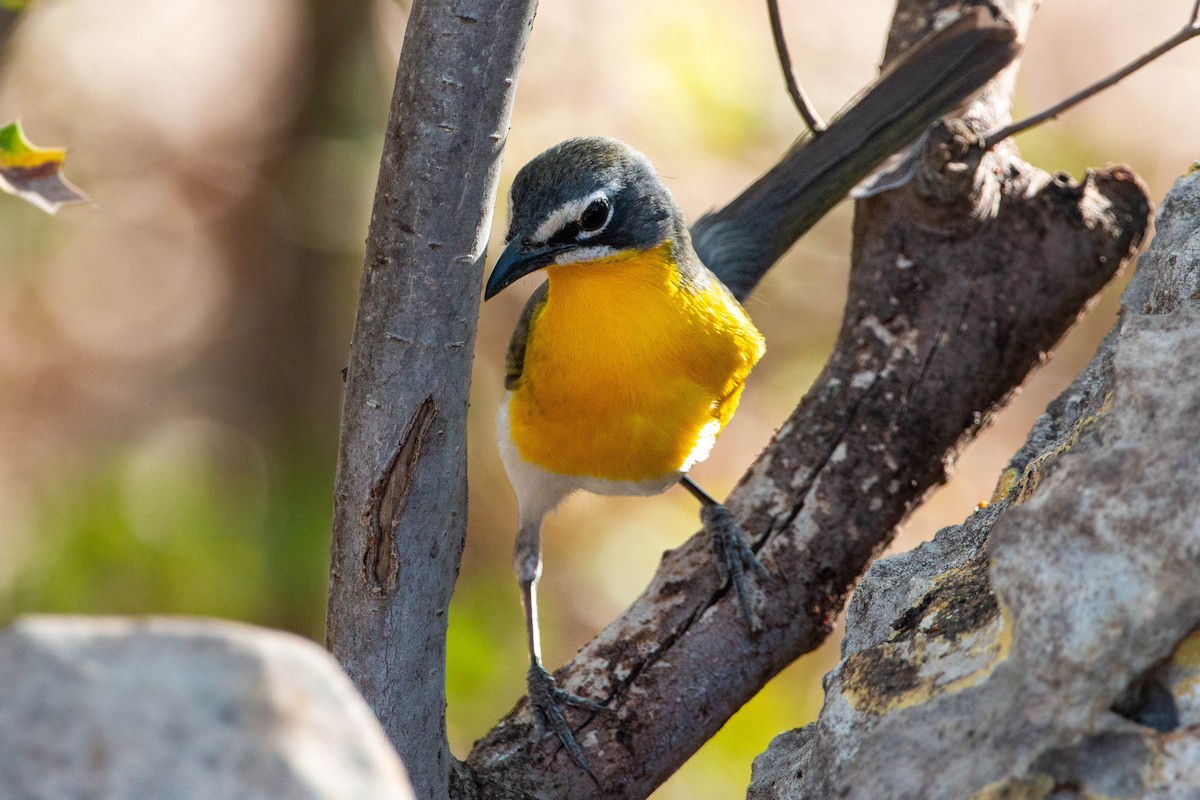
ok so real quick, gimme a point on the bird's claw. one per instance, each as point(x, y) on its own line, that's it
point(548, 700)
point(734, 558)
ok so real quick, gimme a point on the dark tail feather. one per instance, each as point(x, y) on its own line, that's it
point(741, 241)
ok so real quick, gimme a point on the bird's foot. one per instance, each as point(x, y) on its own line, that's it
point(734, 558)
point(548, 701)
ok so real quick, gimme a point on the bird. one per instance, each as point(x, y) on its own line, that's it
point(625, 365)
point(629, 360)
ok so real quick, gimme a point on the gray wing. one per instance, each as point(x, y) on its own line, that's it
point(514, 360)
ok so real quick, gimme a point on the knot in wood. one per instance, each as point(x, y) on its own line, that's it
point(948, 170)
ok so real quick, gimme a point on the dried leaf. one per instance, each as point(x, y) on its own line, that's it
point(33, 173)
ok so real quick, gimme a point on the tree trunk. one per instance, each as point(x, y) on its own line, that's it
point(400, 494)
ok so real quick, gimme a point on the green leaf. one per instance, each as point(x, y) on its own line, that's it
point(33, 173)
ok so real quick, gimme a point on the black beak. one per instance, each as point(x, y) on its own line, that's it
point(518, 260)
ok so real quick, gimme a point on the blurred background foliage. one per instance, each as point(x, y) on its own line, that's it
point(170, 356)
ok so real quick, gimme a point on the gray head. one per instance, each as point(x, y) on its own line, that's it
point(582, 200)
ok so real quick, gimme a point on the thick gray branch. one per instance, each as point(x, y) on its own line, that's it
point(400, 493)
point(960, 283)
point(1048, 646)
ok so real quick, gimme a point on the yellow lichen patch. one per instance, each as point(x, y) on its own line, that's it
point(1033, 787)
point(1183, 670)
point(1031, 476)
point(1008, 481)
point(1187, 654)
point(950, 640)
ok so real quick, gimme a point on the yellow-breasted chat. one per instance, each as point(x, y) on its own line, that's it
point(632, 356)
point(625, 365)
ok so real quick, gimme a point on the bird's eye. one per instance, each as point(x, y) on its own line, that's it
point(595, 215)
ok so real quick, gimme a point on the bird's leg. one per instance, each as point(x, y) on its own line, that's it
point(546, 698)
point(734, 558)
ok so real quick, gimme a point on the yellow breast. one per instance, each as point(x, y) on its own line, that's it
point(630, 371)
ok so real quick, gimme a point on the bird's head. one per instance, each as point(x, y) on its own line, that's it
point(580, 201)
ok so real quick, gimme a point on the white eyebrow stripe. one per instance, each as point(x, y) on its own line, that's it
point(566, 213)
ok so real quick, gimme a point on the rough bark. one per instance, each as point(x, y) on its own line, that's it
point(400, 493)
point(1050, 645)
point(960, 283)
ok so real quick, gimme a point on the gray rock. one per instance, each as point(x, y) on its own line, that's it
point(1050, 645)
point(120, 709)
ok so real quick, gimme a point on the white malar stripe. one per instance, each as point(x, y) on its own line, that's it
point(584, 254)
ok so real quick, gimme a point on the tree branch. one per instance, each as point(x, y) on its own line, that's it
point(960, 282)
point(812, 119)
point(1186, 33)
point(401, 482)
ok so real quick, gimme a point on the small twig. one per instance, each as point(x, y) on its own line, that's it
point(1189, 31)
point(803, 104)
